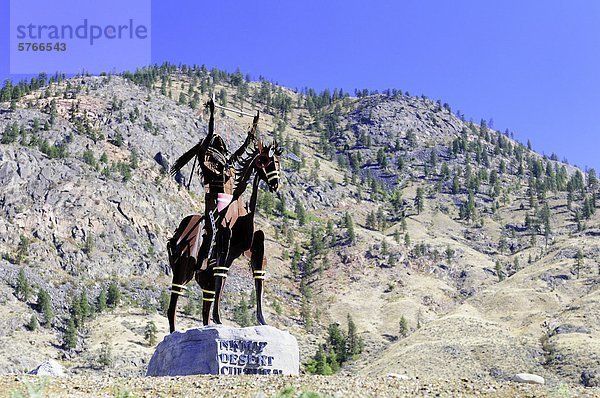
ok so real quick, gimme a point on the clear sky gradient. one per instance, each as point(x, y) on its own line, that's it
point(532, 66)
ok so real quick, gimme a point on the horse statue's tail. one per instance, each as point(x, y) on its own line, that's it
point(188, 240)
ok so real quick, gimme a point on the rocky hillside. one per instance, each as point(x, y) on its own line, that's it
point(457, 251)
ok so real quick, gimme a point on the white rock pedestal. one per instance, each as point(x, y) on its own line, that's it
point(224, 350)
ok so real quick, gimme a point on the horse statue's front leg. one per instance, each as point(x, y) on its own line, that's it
point(206, 281)
point(221, 269)
point(259, 269)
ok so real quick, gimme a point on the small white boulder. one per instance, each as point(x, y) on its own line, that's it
point(399, 376)
point(528, 378)
point(48, 368)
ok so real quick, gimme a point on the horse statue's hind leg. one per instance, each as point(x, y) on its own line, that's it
point(183, 272)
point(185, 246)
point(258, 262)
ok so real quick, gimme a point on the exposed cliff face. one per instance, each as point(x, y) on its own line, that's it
point(382, 117)
point(85, 200)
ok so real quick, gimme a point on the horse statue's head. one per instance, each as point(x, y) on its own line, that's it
point(268, 165)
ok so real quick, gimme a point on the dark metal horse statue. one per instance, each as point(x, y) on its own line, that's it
point(235, 236)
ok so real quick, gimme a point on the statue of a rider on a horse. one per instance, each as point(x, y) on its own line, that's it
point(203, 247)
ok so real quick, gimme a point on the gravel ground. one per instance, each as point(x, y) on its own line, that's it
point(274, 386)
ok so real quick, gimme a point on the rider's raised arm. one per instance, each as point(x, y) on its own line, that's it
point(199, 150)
point(248, 143)
point(211, 124)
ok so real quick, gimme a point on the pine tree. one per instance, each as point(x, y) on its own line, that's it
point(88, 157)
point(240, 313)
point(350, 228)
point(384, 248)
point(150, 333)
point(353, 342)
point(391, 260)
point(400, 163)
point(70, 335)
point(164, 301)
point(306, 314)
point(300, 213)
point(102, 301)
point(381, 219)
point(33, 323)
point(113, 297)
point(406, 240)
point(449, 254)
point(336, 341)
point(499, 271)
point(516, 265)
point(266, 203)
point(445, 171)
point(502, 244)
point(296, 256)
point(317, 241)
point(223, 97)
point(22, 249)
point(411, 137)
point(105, 357)
point(22, 289)
point(579, 262)
point(333, 362)
point(45, 305)
point(277, 307)
point(403, 326)
point(592, 179)
point(189, 308)
point(382, 159)
point(322, 367)
point(397, 235)
point(419, 200)
point(88, 246)
point(76, 315)
point(433, 159)
point(370, 221)
point(84, 303)
point(281, 206)
point(468, 210)
point(455, 185)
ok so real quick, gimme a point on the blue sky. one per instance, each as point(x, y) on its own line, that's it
point(532, 66)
